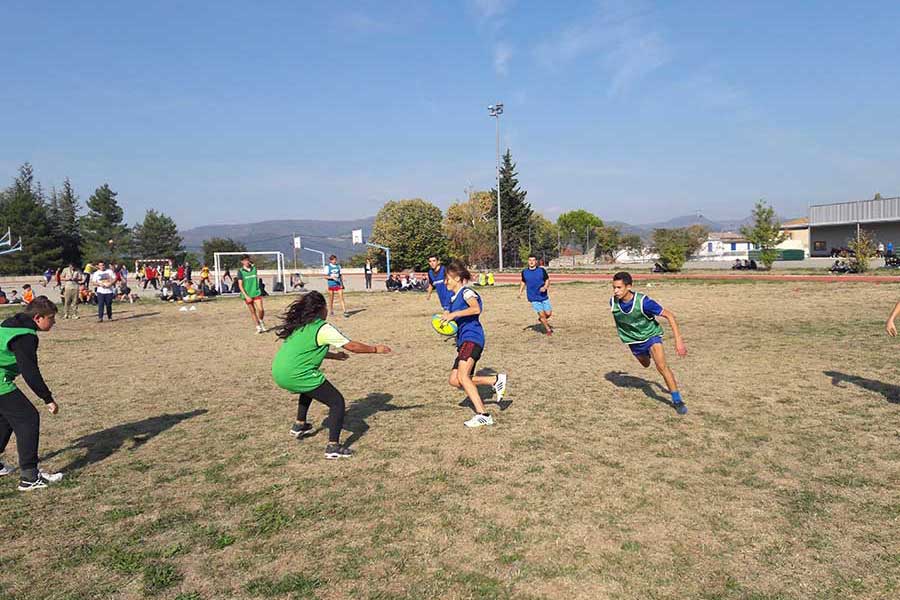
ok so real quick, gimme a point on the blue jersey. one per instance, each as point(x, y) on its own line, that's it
point(469, 328)
point(534, 280)
point(333, 274)
point(436, 279)
point(650, 307)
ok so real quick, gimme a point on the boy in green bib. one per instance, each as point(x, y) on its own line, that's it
point(248, 283)
point(18, 355)
point(307, 342)
point(635, 317)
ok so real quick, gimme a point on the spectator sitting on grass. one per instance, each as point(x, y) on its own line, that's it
point(124, 293)
point(87, 295)
point(27, 294)
point(14, 297)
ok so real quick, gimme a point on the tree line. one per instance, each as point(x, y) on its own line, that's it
point(415, 229)
point(55, 229)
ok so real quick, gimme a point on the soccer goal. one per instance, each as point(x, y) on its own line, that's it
point(276, 257)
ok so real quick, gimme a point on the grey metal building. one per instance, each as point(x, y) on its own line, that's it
point(834, 225)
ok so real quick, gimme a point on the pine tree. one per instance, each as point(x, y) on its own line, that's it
point(157, 237)
point(24, 211)
point(105, 235)
point(515, 211)
point(68, 224)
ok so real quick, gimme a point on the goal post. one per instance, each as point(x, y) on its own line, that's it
point(279, 267)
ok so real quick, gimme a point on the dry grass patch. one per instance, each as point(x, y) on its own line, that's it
point(184, 483)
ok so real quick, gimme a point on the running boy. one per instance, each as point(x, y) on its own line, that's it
point(335, 284)
point(537, 282)
point(436, 274)
point(465, 308)
point(635, 317)
point(307, 339)
point(18, 354)
point(248, 283)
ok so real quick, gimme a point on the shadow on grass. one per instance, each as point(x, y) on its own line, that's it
point(103, 444)
point(626, 381)
point(536, 328)
point(890, 391)
point(137, 316)
point(355, 311)
point(361, 410)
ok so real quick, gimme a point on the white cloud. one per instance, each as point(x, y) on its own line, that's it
point(623, 39)
point(489, 9)
point(502, 54)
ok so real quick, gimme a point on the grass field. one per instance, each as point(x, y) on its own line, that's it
point(182, 481)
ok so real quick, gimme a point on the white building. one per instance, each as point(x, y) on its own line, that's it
point(724, 245)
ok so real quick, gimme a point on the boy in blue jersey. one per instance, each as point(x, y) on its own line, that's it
point(335, 281)
point(536, 282)
point(465, 308)
point(436, 275)
point(635, 317)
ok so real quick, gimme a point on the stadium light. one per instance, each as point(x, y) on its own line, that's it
point(495, 110)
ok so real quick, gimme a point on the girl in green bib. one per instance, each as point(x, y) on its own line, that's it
point(307, 342)
point(635, 316)
point(248, 283)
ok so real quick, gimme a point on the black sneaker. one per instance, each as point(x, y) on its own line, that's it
point(337, 451)
point(681, 408)
point(299, 431)
point(38, 484)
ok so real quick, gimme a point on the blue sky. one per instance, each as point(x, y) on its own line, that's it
point(222, 112)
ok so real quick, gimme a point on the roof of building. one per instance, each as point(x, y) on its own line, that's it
point(864, 211)
point(801, 223)
point(727, 236)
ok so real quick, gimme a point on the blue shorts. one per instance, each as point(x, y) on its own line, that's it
point(643, 348)
point(541, 306)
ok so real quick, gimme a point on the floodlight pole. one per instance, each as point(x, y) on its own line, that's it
point(495, 110)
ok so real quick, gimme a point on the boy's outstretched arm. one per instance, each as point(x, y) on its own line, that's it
point(680, 348)
point(891, 326)
point(25, 349)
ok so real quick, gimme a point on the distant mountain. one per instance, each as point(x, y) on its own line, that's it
point(331, 237)
point(646, 230)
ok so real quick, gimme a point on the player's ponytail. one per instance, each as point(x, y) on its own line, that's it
point(303, 311)
point(459, 269)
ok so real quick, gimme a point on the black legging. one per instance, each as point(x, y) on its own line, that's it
point(329, 395)
point(18, 414)
point(104, 300)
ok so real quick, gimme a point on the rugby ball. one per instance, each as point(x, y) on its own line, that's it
point(445, 328)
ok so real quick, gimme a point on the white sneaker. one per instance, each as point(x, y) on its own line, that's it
point(479, 420)
point(500, 386)
point(259, 329)
point(182, 309)
point(5, 469)
point(193, 308)
point(51, 477)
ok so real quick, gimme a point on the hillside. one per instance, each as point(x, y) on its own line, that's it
point(331, 237)
point(334, 237)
